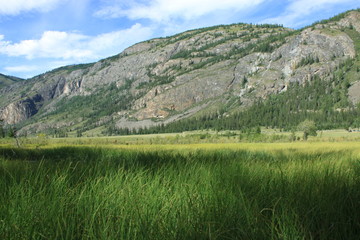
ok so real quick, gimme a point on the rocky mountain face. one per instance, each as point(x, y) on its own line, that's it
point(167, 79)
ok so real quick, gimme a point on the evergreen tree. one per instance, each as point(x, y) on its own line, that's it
point(2, 131)
point(78, 133)
point(12, 132)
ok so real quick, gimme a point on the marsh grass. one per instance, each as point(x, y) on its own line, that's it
point(100, 193)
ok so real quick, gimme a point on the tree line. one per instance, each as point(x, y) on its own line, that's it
point(323, 101)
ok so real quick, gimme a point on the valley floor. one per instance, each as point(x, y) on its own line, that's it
point(200, 187)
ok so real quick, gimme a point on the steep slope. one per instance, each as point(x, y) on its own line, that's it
point(164, 80)
point(8, 80)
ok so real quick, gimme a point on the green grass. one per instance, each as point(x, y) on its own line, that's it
point(102, 193)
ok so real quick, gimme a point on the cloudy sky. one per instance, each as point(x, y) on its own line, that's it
point(39, 35)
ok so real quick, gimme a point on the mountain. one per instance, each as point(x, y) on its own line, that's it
point(8, 80)
point(224, 69)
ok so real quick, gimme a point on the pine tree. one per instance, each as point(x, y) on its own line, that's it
point(12, 132)
point(2, 131)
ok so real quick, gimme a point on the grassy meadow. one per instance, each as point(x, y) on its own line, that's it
point(109, 189)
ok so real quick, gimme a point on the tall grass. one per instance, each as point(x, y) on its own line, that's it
point(97, 193)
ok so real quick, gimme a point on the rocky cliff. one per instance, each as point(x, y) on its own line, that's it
point(163, 80)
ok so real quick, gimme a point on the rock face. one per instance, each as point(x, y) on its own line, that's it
point(21, 110)
point(163, 80)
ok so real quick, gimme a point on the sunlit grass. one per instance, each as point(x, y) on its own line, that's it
point(199, 191)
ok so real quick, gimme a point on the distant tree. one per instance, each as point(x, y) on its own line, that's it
point(2, 131)
point(12, 132)
point(308, 127)
point(258, 130)
point(292, 136)
point(244, 81)
point(78, 133)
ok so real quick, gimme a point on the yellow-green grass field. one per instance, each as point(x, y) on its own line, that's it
point(203, 136)
point(181, 186)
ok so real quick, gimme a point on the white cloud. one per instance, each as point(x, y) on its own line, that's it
point(30, 69)
point(22, 68)
point(14, 7)
point(296, 12)
point(165, 10)
point(75, 46)
point(52, 44)
point(112, 43)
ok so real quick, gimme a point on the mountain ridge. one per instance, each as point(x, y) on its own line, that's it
point(6, 81)
point(166, 79)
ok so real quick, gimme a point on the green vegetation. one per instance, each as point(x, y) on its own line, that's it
point(268, 44)
point(191, 33)
point(274, 40)
point(157, 80)
point(98, 193)
point(308, 127)
point(8, 80)
point(322, 100)
point(87, 110)
point(308, 60)
point(7, 131)
point(335, 18)
point(74, 67)
point(182, 54)
point(2, 130)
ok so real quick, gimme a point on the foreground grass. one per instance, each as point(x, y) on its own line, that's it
point(103, 193)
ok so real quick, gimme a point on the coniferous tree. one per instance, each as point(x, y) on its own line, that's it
point(12, 132)
point(2, 131)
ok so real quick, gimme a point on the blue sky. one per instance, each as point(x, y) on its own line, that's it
point(39, 35)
